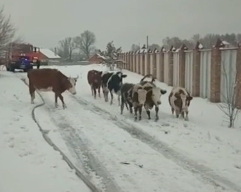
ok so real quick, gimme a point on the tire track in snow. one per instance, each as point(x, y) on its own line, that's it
point(52, 144)
point(206, 173)
point(78, 146)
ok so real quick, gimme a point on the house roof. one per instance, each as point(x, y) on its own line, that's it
point(50, 54)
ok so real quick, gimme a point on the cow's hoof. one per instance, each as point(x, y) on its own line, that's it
point(156, 119)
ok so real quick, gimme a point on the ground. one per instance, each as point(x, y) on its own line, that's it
point(111, 150)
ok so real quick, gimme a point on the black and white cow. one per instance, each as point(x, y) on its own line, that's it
point(112, 82)
point(133, 95)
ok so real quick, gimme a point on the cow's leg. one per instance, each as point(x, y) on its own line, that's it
point(148, 111)
point(140, 112)
point(186, 116)
point(91, 87)
point(99, 90)
point(111, 99)
point(130, 105)
point(62, 100)
point(56, 99)
point(94, 89)
point(122, 104)
point(157, 110)
point(173, 110)
point(31, 92)
point(118, 95)
point(177, 111)
point(135, 111)
point(183, 114)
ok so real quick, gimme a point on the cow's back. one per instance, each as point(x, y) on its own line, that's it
point(94, 77)
point(45, 78)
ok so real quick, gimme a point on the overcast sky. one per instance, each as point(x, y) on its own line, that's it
point(45, 22)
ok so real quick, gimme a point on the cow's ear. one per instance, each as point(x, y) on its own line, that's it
point(190, 98)
point(101, 72)
point(123, 76)
point(163, 91)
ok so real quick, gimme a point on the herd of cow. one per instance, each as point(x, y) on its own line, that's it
point(143, 94)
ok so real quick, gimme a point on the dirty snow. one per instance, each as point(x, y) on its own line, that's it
point(95, 136)
point(28, 163)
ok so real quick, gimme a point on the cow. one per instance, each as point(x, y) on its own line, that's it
point(153, 98)
point(133, 95)
point(112, 82)
point(153, 95)
point(50, 80)
point(94, 80)
point(179, 100)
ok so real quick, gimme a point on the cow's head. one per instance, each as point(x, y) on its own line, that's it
point(141, 95)
point(185, 101)
point(156, 95)
point(72, 81)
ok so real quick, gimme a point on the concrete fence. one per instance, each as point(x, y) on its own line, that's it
point(206, 73)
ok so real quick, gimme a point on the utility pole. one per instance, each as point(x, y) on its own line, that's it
point(147, 45)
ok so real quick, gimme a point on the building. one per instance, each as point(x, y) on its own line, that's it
point(96, 59)
point(48, 55)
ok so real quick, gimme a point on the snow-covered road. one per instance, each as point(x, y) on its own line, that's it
point(118, 154)
point(27, 162)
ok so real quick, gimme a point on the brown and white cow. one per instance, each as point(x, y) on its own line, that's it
point(179, 100)
point(50, 80)
point(133, 95)
point(94, 80)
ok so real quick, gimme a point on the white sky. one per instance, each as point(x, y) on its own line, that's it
point(45, 22)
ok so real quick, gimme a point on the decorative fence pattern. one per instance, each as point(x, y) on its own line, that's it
point(208, 73)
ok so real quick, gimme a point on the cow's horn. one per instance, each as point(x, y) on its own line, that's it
point(77, 77)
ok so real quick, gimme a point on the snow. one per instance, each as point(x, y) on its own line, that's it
point(28, 163)
point(50, 54)
point(116, 153)
point(100, 56)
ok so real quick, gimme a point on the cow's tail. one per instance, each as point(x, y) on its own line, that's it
point(149, 75)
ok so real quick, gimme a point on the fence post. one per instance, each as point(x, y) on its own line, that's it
point(181, 55)
point(196, 71)
point(154, 61)
point(170, 67)
point(216, 72)
point(161, 64)
point(148, 61)
point(238, 77)
point(132, 62)
point(126, 62)
point(137, 62)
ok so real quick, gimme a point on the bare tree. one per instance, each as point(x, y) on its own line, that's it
point(7, 33)
point(135, 47)
point(66, 48)
point(230, 95)
point(85, 42)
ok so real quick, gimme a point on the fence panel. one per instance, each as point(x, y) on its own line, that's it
point(175, 69)
point(189, 71)
point(158, 69)
point(166, 67)
point(228, 74)
point(205, 73)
